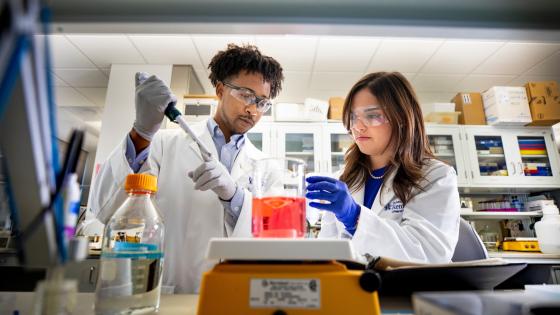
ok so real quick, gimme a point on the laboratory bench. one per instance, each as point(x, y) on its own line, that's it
point(178, 304)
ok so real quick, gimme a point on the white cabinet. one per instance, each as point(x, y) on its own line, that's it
point(336, 141)
point(261, 137)
point(535, 158)
point(447, 145)
point(301, 141)
point(483, 156)
point(512, 157)
point(320, 145)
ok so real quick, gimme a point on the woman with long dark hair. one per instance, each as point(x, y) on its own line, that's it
point(393, 198)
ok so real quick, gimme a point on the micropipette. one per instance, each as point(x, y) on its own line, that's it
point(175, 116)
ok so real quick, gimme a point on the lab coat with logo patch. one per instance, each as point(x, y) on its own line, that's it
point(426, 229)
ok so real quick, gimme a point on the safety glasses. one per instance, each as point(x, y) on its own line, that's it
point(369, 116)
point(248, 97)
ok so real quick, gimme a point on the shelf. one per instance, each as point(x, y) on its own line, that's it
point(444, 155)
point(300, 153)
point(491, 156)
point(522, 255)
point(483, 215)
point(539, 156)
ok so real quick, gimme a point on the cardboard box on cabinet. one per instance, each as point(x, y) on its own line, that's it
point(544, 102)
point(471, 108)
point(336, 104)
point(506, 106)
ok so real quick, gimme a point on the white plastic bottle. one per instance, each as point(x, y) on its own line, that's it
point(132, 253)
point(548, 230)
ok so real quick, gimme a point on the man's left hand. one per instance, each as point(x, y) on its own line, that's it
point(213, 175)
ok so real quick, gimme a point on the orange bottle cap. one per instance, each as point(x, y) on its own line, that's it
point(140, 182)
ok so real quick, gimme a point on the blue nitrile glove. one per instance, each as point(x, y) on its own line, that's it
point(340, 201)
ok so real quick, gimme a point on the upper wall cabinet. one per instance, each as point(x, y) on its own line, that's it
point(483, 156)
point(512, 157)
point(447, 145)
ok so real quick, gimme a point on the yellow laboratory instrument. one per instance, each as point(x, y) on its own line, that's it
point(286, 276)
point(521, 244)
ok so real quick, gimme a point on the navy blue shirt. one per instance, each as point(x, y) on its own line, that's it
point(372, 187)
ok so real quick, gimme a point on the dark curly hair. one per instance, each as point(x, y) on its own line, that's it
point(235, 59)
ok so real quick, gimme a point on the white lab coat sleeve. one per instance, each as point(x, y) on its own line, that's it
point(108, 189)
point(242, 227)
point(428, 230)
point(331, 227)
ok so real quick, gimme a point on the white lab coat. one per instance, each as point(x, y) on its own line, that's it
point(191, 217)
point(425, 230)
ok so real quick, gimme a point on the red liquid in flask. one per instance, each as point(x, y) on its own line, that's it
point(279, 217)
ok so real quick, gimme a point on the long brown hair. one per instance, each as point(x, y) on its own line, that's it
point(409, 140)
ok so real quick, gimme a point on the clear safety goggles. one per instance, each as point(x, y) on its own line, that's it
point(369, 116)
point(248, 97)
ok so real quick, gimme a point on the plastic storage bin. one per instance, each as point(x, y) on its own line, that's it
point(449, 118)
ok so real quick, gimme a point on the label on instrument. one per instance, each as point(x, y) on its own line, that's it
point(287, 293)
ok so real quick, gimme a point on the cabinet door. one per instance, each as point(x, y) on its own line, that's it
point(490, 156)
point(337, 141)
point(301, 141)
point(535, 157)
point(261, 137)
point(447, 145)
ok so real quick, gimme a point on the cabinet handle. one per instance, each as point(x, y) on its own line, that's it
point(513, 168)
point(521, 171)
point(91, 277)
point(466, 174)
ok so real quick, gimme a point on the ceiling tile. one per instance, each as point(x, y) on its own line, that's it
point(516, 58)
point(95, 95)
point(68, 96)
point(458, 57)
point(344, 54)
point(293, 52)
point(521, 80)
point(325, 95)
point(294, 87)
point(403, 55)
point(105, 50)
point(209, 45)
point(436, 83)
point(334, 81)
point(83, 77)
point(66, 55)
point(168, 49)
point(57, 80)
point(550, 66)
point(481, 83)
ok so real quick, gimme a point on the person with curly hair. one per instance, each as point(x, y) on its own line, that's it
point(197, 199)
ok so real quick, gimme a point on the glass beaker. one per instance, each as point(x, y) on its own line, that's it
point(278, 187)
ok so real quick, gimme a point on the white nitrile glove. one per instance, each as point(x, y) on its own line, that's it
point(152, 98)
point(213, 175)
